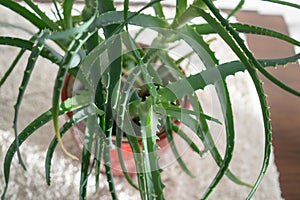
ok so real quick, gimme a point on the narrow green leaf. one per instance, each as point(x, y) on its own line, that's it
point(47, 52)
point(184, 57)
point(135, 146)
point(123, 121)
point(250, 62)
point(73, 31)
point(69, 105)
point(119, 137)
point(149, 127)
point(61, 74)
point(114, 72)
point(108, 170)
point(143, 67)
point(168, 127)
point(286, 3)
point(158, 8)
point(181, 113)
point(181, 6)
point(126, 9)
point(75, 119)
point(36, 50)
point(57, 13)
point(134, 18)
point(42, 15)
point(89, 136)
point(187, 139)
point(198, 81)
point(200, 128)
point(224, 99)
point(67, 11)
point(249, 29)
point(236, 9)
point(99, 150)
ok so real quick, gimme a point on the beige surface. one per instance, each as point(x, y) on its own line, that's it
point(65, 174)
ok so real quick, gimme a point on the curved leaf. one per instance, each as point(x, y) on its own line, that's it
point(61, 74)
point(222, 92)
point(198, 81)
point(117, 17)
point(42, 15)
point(285, 3)
point(36, 50)
point(67, 9)
point(149, 121)
point(168, 127)
point(119, 136)
point(187, 139)
point(250, 62)
point(72, 31)
point(89, 135)
point(76, 118)
point(69, 105)
point(47, 52)
point(250, 29)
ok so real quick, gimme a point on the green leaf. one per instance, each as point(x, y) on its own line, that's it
point(223, 96)
point(119, 137)
point(61, 74)
point(42, 15)
point(200, 128)
point(67, 11)
point(149, 121)
point(108, 171)
point(124, 123)
point(36, 50)
point(135, 146)
point(198, 81)
point(89, 136)
point(168, 127)
point(249, 29)
point(114, 72)
point(134, 18)
point(158, 8)
point(47, 52)
point(181, 113)
point(57, 13)
point(75, 119)
point(238, 46)
point(99, 149)
point(69, 105)
point(71, 32)
point(236, 9)
point(126, 9)
point(187, 139)
point(224, 99)
point(236, 43)
point(285, 3)
point(181, 6)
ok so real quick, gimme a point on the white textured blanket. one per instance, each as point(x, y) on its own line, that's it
point(31, 184)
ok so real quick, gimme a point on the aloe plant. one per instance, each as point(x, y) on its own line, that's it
point(103, 53)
